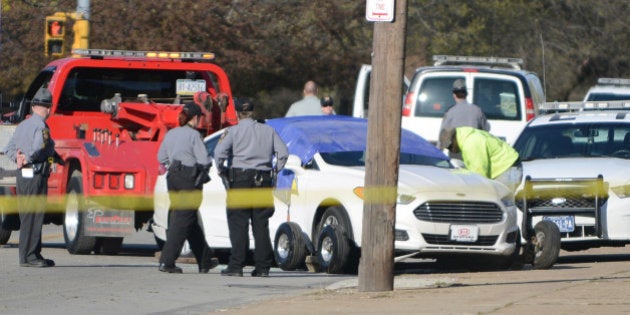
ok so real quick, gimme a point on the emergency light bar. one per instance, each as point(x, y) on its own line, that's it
point(582, 106)
point(613, 81)
point(441, 60)
point(143, 54)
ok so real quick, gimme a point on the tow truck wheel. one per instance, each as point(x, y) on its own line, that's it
point(333, 249)
point(5, 234)
point(76, 241)
point(8, 222)
point(289, 247)
point(546, 244)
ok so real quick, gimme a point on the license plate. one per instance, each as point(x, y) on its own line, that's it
point(566, 223)
point(464, 233)
point(190, 87)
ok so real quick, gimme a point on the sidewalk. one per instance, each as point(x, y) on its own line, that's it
point(591, 287)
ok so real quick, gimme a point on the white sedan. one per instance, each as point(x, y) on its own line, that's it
point(441, 211)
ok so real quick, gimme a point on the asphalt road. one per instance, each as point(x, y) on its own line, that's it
point(129, 283)
point(593, 281)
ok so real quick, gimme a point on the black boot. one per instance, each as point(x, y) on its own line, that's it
point(169, 269)
point(207, 261)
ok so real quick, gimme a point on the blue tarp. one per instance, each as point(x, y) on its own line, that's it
point(307, 135)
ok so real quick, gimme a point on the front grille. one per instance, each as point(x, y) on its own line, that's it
point(459, 212)
point(569, 202)
point(439, 239)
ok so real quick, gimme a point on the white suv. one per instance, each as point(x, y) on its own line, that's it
point(508, 95)
point(609, 89)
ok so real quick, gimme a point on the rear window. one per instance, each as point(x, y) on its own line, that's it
point(436, 96)
point(85, 88)
point(607, 97)
point(498, 99)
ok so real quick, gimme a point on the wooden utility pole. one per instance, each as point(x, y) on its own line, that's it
point(376, 270)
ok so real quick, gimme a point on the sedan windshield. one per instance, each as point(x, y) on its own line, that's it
point(357, 158)
point(575, 140)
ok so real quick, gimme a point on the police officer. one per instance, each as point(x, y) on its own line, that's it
point(187, 159)
point(251, 147)
point(462, 113)
point(34, 152)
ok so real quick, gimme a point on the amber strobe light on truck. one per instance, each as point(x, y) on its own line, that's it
point(101, 53)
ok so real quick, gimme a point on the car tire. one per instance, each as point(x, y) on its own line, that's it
point(290, 247)
point(546, 244)
point(335, 216)
point(333, 250)
point(76, 242)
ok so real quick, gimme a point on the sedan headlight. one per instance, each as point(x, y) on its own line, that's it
point(403, 199)
point(622, 191)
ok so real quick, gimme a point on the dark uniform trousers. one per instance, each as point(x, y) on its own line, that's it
point(184, 224)
point(238, 221)
point(31, 194)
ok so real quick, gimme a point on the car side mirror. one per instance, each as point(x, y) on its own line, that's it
point(294, 164)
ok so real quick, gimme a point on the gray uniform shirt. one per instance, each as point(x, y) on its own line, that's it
point(252, 146)
point(32, 137)
point(183, 144)
point(309, 105)
point(465, 114)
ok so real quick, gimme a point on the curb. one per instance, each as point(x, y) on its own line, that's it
point(400, 283)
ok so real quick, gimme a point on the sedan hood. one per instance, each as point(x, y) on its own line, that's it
point(424, 179)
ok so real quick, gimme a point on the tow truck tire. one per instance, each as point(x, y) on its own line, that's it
point(4, 233)
point(76, 242)
point(547, 244)
point(4, 236)
point(333, 250)
point(289, 247)
point(8, 222)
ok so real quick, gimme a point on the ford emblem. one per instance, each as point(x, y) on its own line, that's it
point(558, 201)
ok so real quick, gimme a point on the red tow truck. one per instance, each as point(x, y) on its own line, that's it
point(110, 111)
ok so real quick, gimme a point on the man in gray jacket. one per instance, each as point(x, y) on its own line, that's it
point(309, 105)
point(463, 114)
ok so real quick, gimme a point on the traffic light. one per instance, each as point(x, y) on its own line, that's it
point(55, 31)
